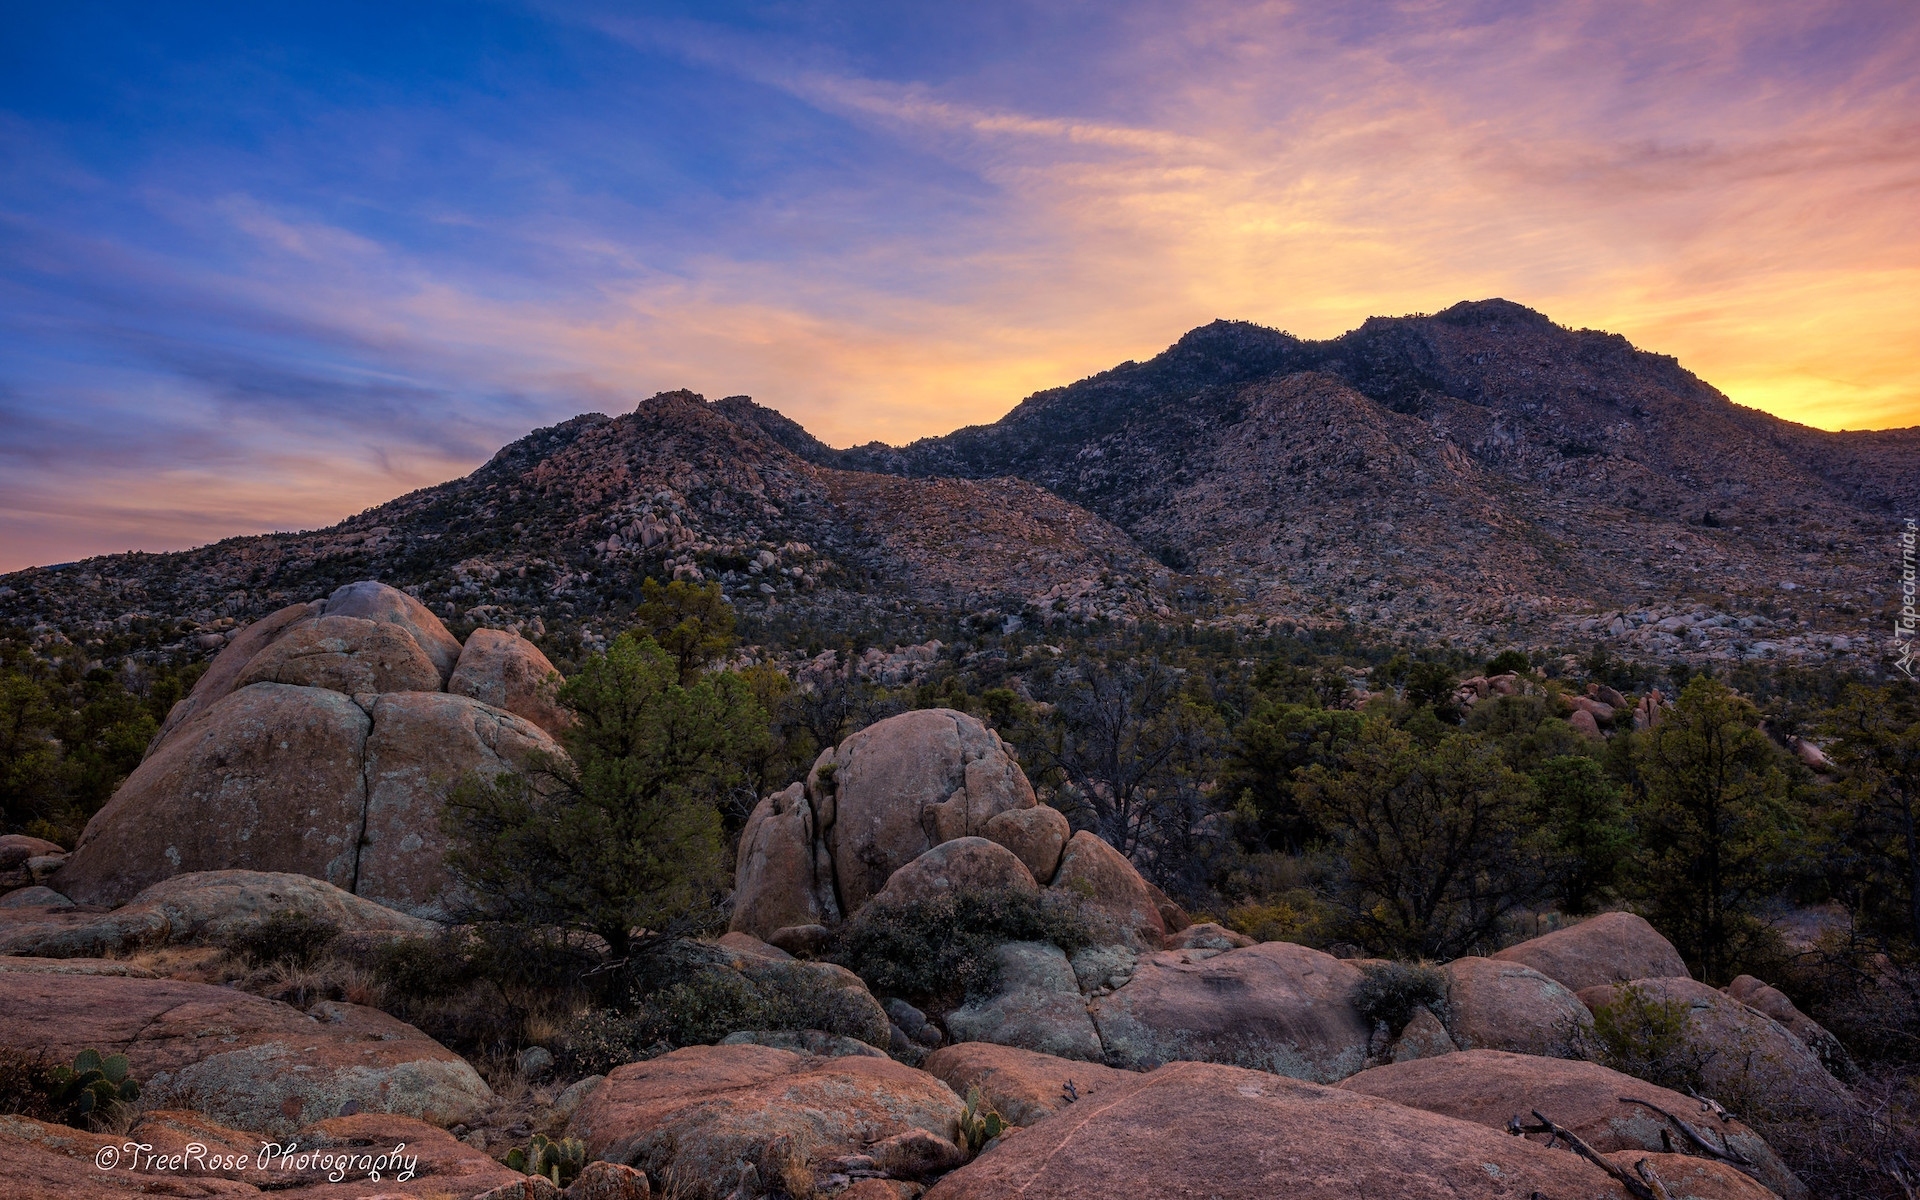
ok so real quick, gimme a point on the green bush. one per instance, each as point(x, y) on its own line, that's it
point(942, 950)
point(1646, 1037)
point(1394, 992)
point(286, 936)
point(414, 970)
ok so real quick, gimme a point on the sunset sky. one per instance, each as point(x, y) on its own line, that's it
point(264, 265)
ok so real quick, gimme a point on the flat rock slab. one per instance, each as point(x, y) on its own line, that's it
point(1026, 1087)
point(1610, 948)
point(1276, 1006)
point(1204, 1130)
point(241, 1059)
point(201, 908)
point(701, 1114)
point(1488, 1087)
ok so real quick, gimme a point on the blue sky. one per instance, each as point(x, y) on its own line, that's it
point(264, 265)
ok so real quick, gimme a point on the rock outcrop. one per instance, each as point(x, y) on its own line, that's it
point(1197, 1129)
point(965, 864)
point(1489, 1087)
point(318, 743)
point(1774, 1003)
point(1610, 948)
point(1111, 890)
point(241, 1059)
point(1038, 1006)
point(1024, 1086)
point(1277, 1006)
point(704, 1115)
point(1747, 1059)
point(203, 908)
point(509, 672)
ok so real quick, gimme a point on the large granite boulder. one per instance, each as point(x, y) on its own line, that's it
point(1037, 1006)
point(509, 672)
point(703, 1115)
point(269, 778)
point(1610, 948)
point(421, 744)
point(202, 908)
point(966, 864)
point(241, 1059)
point(1749, 1061)
point(221, 675)
point(1022, 1085)
point(902, 786)
point(1276, 1006)
point(783, 876)
point(1494, 1005)
point(1205, 1130)
point(390, 606)
point(1774, 1002)
point(1489, 1087)
point(344, 654)
point(1111, 890)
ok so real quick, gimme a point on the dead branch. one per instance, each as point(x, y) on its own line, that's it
point(1652, 1179)
point(1726, 1154)
point(1635, 1188)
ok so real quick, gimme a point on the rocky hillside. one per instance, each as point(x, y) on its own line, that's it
point(1482, 475)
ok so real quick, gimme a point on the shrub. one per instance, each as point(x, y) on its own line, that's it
point(941, 950)
point(26, 1085)
point(412, 970)
point(285, 937)
point(1508, 662)
point(1645, 1037)
point(1394, 992)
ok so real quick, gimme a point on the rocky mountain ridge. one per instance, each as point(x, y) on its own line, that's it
point(1480, 475)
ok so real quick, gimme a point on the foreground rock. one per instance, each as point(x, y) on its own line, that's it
point(704, 1114)
point(240, 1059)
point(1202, 1130)
point(1489, 1088)
point(1774, 1003)
point(1276, 1006)
point(1610, 948)
point(204, 908)
point(45, 1161)
point(1749, 1062)
point(1494, 1005)
point(1689, 1178)
point(1024, 1086)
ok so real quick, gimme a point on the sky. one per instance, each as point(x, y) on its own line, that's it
point(264, 266)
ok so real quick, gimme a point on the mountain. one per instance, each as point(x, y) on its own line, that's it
point(1480, 474)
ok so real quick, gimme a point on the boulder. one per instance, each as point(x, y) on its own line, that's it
point(1276, 1006)
point(968, 864)
point(1774, 1002)
point(1610, 948)
point(1023, 1085)
point(218, 680)
point(344, 654)
point(1752, 1063)
point(268, 778)
point(835, 997)
point(916, 1154)
point(1423, 1037)
point(1037, 1007)
point(1101, 969)
point(390, 606)
point(509, 672)
point(241, 1059)
point(1111, 890)
point(1036, 835)
point(703, 1114)
point(34, 896)
point(1583, 723)
point(803, 1041)
point(901, 786)
point(201, 908)
point(783, 876)
point(1208, 936)
point(1205, 1130)
point(1494, 1005)
point(743, 943)
point(420, 745)
point(1489, 1087)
